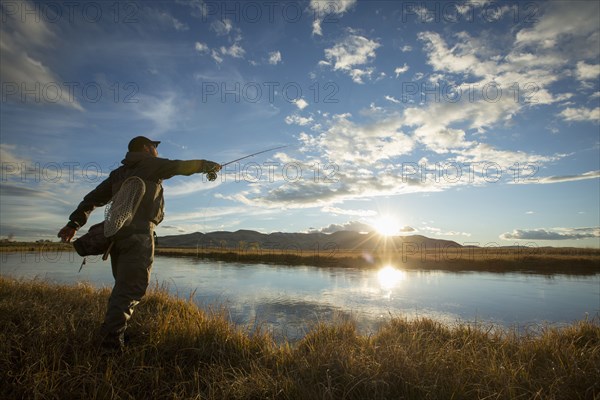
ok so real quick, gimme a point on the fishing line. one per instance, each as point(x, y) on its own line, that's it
point(254, 154)
point(213, 175)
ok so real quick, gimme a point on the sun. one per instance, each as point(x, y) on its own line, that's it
point(386, 225)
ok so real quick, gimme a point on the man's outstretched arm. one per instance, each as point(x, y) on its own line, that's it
point(96, 198)
point(166, 168)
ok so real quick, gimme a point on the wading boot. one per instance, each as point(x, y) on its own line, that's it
point(113, 344)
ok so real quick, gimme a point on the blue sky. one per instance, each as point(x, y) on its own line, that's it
point(471, 121)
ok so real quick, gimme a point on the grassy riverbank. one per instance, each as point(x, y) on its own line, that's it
point(546, 260)
point(527, 260)
point(47, 351)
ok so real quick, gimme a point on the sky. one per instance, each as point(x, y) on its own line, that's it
point(476, 122)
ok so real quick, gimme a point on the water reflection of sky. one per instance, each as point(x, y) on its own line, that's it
point(287, 300)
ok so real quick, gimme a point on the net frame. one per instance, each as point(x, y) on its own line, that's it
point(119, 212)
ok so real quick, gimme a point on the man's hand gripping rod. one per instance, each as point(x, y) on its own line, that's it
point(213, 175)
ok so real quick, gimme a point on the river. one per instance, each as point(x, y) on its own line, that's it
point(287, 300)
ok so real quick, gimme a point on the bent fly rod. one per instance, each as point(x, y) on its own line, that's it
point(213, 175)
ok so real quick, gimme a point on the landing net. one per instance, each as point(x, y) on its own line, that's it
point(122, 208)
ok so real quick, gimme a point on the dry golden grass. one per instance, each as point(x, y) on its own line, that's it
point(48, 351)
point(541, 260)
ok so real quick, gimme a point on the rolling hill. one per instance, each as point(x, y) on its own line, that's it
point(243, 239)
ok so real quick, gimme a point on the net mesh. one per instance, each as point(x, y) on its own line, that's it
point(120, 210)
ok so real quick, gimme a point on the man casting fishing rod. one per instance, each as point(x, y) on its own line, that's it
point(132, 254)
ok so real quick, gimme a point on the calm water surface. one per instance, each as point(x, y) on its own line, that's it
point(288, 299)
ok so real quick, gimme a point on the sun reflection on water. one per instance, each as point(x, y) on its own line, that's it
point(390, 277)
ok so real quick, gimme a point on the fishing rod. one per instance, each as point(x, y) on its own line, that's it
point(252, 155)
point(213, 175)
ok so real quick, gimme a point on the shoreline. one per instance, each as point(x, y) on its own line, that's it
point(478, 261)
point(546, 261)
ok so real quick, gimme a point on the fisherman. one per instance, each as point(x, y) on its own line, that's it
point(132, 256)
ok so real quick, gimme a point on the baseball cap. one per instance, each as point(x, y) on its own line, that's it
point(138, 143)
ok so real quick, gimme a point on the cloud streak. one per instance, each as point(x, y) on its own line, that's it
point(24, 43)
point(563, 178)
point(552, 234)
point(581, 114)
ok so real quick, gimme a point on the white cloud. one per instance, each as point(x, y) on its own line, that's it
point(353, 226)
point(360, 144)
point(210, 213)
point(336, 182)
point(458, 59)
point(274, 57)
point(435, 133)
point(482, 152)
point(424, 14)
point(564, 178)
point(235, 50)
point(581, 114)
point(353, 51)
point(201, 47)
point(180, 26)
point(469, 6)
point(407, 229)
point(328, 11)
point(561, 22)
point(392, 99)
point(221, 27)
point(298, 120)
point(364, 159)
point(401, 70)
point(187, 187)
point(552, 234)
point(358, 74)
point(356, 213)
point(442, 140)
point(587, 71)
point(301, 104)
point(317, 27)
point(216, 56)
point(473, 57)
point(479, 64)
point(356, 226)
point(440, 232)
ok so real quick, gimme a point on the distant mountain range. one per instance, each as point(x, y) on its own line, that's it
point(247, 239)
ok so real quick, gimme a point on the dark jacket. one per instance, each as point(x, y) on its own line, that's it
point(152, 170)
